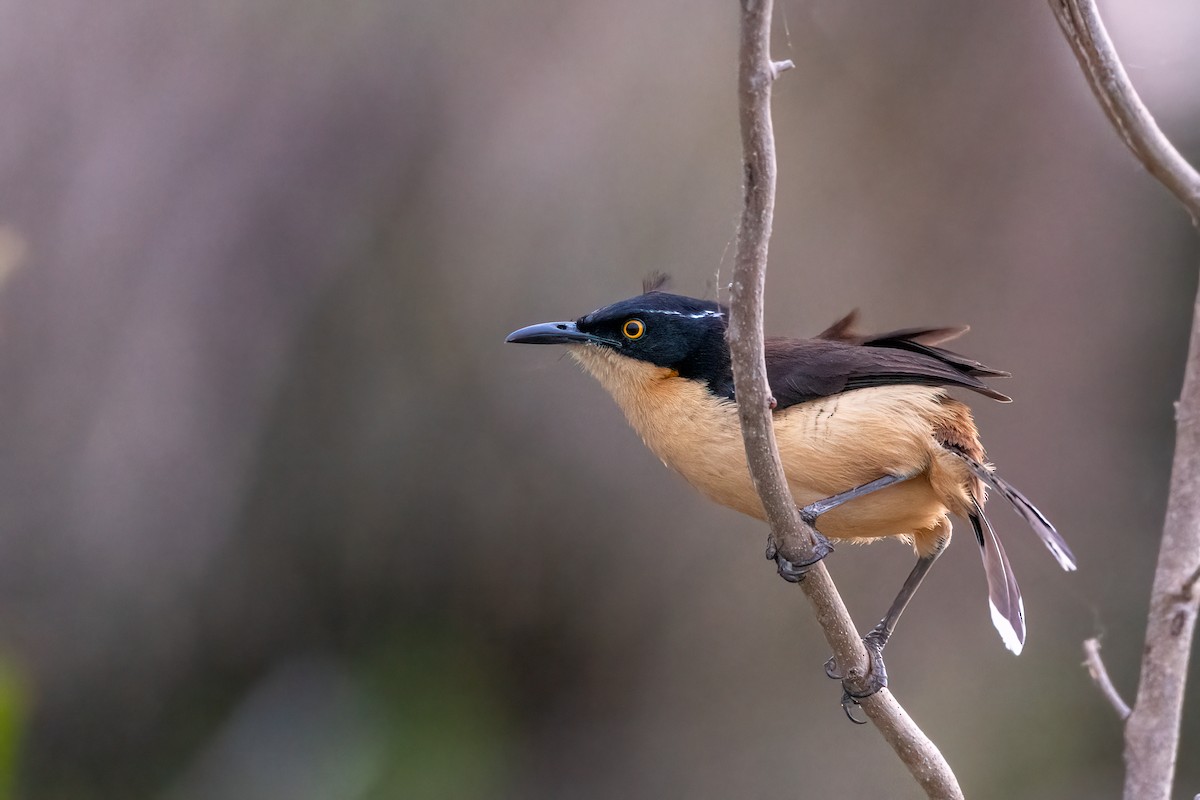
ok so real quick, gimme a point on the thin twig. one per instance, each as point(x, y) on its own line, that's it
point(1096, 668)
point(1152, 730)
point(1081, 24)
point(755, 74)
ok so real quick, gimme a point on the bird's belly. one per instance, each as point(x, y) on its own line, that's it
point(897, 510)
point(826, 446)
point(901, 509)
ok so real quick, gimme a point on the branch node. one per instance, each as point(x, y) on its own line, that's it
point(1189, 585)
point(780, 67)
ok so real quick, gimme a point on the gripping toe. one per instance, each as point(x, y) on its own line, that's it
point(793, 569)
point(859, 687)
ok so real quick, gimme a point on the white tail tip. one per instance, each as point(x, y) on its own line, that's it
point(1014, 640)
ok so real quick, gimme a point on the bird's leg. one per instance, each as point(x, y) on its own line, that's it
point(854, 689)
point(793, 571)
point(813, 510)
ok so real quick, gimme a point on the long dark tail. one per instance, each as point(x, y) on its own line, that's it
point(1004, 596)
point(1036, 519)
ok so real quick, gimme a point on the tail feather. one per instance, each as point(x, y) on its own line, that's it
point(1004, 596)
point(1036, 519)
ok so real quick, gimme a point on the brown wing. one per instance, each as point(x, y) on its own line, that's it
point(804, 369)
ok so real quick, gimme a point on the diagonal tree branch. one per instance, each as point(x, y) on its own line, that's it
point(755, 75)
point(1152, 730)
point(1081, 24)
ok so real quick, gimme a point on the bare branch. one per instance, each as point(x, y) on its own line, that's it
point(1095, 667)
point(1081, 24)
point(1152, 730)
point(755, 74)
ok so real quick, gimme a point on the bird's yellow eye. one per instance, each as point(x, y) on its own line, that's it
point(633, 329)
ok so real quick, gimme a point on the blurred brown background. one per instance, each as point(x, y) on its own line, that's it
point(282, 516)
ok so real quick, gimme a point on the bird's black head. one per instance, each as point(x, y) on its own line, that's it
point(669, 330)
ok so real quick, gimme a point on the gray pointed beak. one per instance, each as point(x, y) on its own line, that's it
point(552, 333)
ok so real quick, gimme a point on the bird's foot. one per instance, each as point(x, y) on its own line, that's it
point(793, 566)
point(856, 686)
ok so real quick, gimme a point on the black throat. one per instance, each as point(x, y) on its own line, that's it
point(709, 363)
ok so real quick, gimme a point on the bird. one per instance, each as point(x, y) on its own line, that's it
point(872, 444)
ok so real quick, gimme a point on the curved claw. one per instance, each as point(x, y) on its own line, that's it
point(793, 571)
point(849, 703)
point(869, 684)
